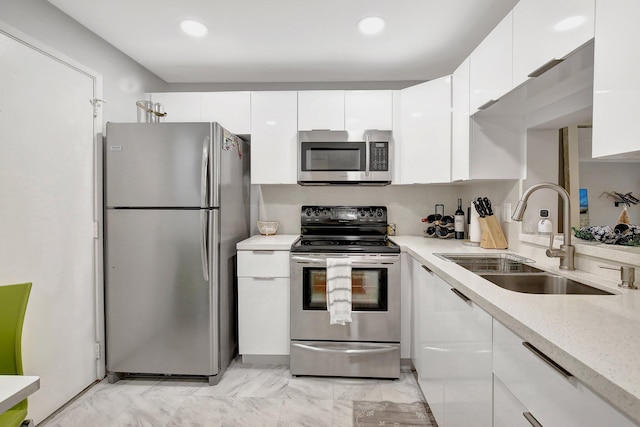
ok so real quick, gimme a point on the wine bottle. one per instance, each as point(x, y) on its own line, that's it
point(459, 221)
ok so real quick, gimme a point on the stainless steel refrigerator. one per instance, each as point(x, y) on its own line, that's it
point(175, 206)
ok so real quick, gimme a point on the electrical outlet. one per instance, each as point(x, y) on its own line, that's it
point(506, 212)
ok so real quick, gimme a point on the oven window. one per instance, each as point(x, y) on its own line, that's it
point(368, 289)
point(344, 156)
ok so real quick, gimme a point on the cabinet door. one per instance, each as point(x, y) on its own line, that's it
point(179, 106)
point(616, 80)
point(425, 132)
point(429, 360)
point(468, 370)
point(321, 109)
point(263, 316)
point(460, 123)
point(273, 137)
point(454, 353)
point(544, 30)
point(368, 109)
point(491, 66)
point(231, 109)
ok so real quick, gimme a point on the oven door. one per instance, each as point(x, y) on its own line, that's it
point(375, 299)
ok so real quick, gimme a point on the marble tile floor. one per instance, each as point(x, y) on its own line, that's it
point(248, 395)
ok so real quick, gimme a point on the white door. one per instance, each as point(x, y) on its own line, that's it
point(47, 214)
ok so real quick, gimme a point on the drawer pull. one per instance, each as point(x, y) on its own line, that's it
point(461, 295)
point(532, 420)
point(426, 268)
point(261, 252)
point(548, 360)
point(546, 67)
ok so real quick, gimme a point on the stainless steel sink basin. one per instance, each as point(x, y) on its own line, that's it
point(492, 263)
point(542, 284)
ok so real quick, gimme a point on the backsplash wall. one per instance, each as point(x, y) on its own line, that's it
point(406, 204)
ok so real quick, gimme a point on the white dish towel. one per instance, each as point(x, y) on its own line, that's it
point(339, 290)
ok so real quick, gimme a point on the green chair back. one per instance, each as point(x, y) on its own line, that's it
point(13, 306)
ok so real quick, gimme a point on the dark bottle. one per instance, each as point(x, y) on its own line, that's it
point(459, 221)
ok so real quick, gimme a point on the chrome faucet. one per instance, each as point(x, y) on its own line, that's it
point(566, 253)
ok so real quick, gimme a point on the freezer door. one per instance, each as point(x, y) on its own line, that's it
point(157, 164)
point(158, 303)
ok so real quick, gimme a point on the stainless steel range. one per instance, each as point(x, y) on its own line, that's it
point(369, 345)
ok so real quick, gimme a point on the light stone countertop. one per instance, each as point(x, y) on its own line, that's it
point(275, 242)
point(595, 337)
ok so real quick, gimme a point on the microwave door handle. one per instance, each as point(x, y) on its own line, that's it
point(367, 151)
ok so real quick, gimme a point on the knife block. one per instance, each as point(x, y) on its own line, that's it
point(492, 236)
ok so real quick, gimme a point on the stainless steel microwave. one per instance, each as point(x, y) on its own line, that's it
point(345, 157)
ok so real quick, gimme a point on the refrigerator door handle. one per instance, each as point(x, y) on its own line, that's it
point(204, 175)
point(204, 237)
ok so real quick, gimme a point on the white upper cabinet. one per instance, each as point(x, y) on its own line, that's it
point(616, 80)
point(491, 66)
point(425, 132)
point(548, 30)
point(368, 109)
point(345, 110)
point(273, 137)
point(460, 126)
point(179, 106)
point(321, 109)
point(231, 109)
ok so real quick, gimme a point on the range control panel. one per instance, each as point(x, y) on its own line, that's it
point(343, 215)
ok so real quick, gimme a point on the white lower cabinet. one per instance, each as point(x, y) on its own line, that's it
point(452, 338)
point(531, 384)
point(263, 303)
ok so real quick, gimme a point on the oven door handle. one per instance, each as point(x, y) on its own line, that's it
point(384, 349)
point(356, 262)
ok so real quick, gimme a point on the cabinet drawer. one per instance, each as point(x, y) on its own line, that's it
point(552, 398)
point(263, 263)
point(263, 316)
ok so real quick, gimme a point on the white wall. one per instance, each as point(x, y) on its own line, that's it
point(125, 81)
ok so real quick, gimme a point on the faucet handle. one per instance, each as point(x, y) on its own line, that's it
point(552, 253)
point(627, 276)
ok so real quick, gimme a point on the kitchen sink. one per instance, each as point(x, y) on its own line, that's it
point(544, 283)
point(492, 263)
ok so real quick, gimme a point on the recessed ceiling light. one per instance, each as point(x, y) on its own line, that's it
point(371, 25)
point(194, 28)
point(569, 23)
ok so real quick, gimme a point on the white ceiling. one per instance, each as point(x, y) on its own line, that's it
point(292, 40)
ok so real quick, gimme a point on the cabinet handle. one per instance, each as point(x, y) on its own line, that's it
point(461, 295)
point(548, 360)
point(546, 67)
point(263, 278)
point(261, 252)
point(532, 420)
point(426, 268)
point(488, 104)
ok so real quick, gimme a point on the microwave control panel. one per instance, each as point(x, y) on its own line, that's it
point(379, 156)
